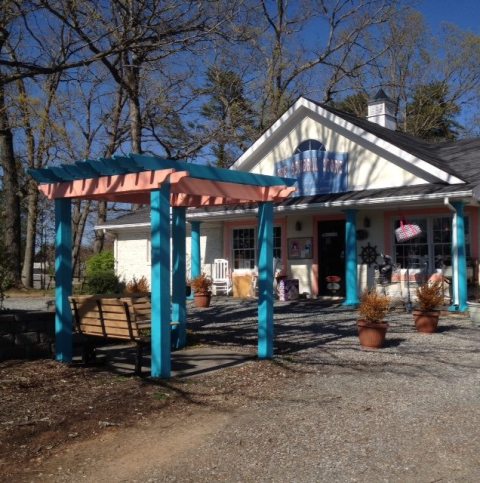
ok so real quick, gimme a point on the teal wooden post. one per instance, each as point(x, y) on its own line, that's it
point(179, 233)
point(265, 280)
point(459, 260)
point(160, 236)
point(195, 257)
point(63, 279)
point(195, 269)
point(351, 277)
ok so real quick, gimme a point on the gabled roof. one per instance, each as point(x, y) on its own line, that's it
point(406, 142)
point(403, 146)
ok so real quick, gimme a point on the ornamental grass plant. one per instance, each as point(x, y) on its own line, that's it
point(138, 286)
point(201, 284)
point(374, 306)
point(429, 296)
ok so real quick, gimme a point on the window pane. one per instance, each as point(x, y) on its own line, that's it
point(277, 242)
point(243, 248)
point(413, 253)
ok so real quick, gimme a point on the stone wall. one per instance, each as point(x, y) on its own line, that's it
point(26, 335)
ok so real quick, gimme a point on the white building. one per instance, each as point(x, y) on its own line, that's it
point(344, 164)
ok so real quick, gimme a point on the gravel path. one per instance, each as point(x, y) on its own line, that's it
point(410, 412)
point(330, 411)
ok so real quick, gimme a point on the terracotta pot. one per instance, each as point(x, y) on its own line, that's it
point(426, 322)
point(202, 300)
point(371, 334)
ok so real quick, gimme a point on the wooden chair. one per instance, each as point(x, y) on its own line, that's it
point(221, 278)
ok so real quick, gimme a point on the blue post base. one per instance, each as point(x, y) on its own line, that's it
point(458, 308)
point(351, 303)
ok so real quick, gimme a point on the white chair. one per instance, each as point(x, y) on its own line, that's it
point(221, 277)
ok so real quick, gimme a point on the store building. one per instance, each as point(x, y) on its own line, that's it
point(357, 179)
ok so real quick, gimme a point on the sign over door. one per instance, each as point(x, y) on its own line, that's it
point(317, 172)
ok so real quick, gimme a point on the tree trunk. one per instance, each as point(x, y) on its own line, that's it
point(11, 196)
point(99, 234)
point(135, 125)
point(30, 237)
point(81, 215)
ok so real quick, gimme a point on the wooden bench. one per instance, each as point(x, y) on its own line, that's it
point(100, 319)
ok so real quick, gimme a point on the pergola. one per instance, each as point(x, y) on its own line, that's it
point(166, 186)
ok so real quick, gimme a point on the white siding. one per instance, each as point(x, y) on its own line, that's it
point(132, 258)
point(132, 251)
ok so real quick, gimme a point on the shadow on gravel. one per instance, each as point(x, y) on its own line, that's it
point(298, 326)
point(303, 327)
point(393, 342)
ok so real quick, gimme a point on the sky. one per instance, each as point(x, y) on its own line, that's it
point(464, 13)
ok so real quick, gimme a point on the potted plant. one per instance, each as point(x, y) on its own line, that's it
point(201, 286)
point(429, 299)
point(372, 328)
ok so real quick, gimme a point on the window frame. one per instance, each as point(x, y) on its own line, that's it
point(430, 239)
point(277, 248)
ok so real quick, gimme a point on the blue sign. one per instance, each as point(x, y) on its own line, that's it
point(317, 172)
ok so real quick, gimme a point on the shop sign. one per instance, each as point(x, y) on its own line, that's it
point(317, 172)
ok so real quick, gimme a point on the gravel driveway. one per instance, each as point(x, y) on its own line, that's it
point(329, 412)
point(409, 412)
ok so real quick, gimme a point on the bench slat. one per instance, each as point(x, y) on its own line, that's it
point(109, 317)
point(118, 333)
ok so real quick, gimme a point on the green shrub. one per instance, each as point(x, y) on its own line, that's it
point(102, 283)
point(102, 262)
point(100, 274)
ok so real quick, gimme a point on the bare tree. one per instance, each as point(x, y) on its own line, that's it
point(150, 32)
point(38, 124)
point(290, 54)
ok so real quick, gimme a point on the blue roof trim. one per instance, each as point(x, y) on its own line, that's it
point(135, 163)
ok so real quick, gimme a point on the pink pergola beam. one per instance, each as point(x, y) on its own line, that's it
point(199, 200)
point(220, 189)
point(111, 185)
point(135, 188)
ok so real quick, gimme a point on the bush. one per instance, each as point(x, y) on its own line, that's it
point(102, 283)
point(373, 306)
point(430, 296)
point(138, 286)
point(201, 284)
point(100, 274)
point(102, 262)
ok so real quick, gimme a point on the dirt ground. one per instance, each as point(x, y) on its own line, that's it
point(322, 410)
point(48, 408)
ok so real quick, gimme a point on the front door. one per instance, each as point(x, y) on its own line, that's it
point(331, 257)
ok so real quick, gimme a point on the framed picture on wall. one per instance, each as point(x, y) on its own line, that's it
point(299, 248)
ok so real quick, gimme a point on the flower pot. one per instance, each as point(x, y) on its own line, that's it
point(372, 334)
point(202, 300)
point(426, 322)
point(474, 311)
